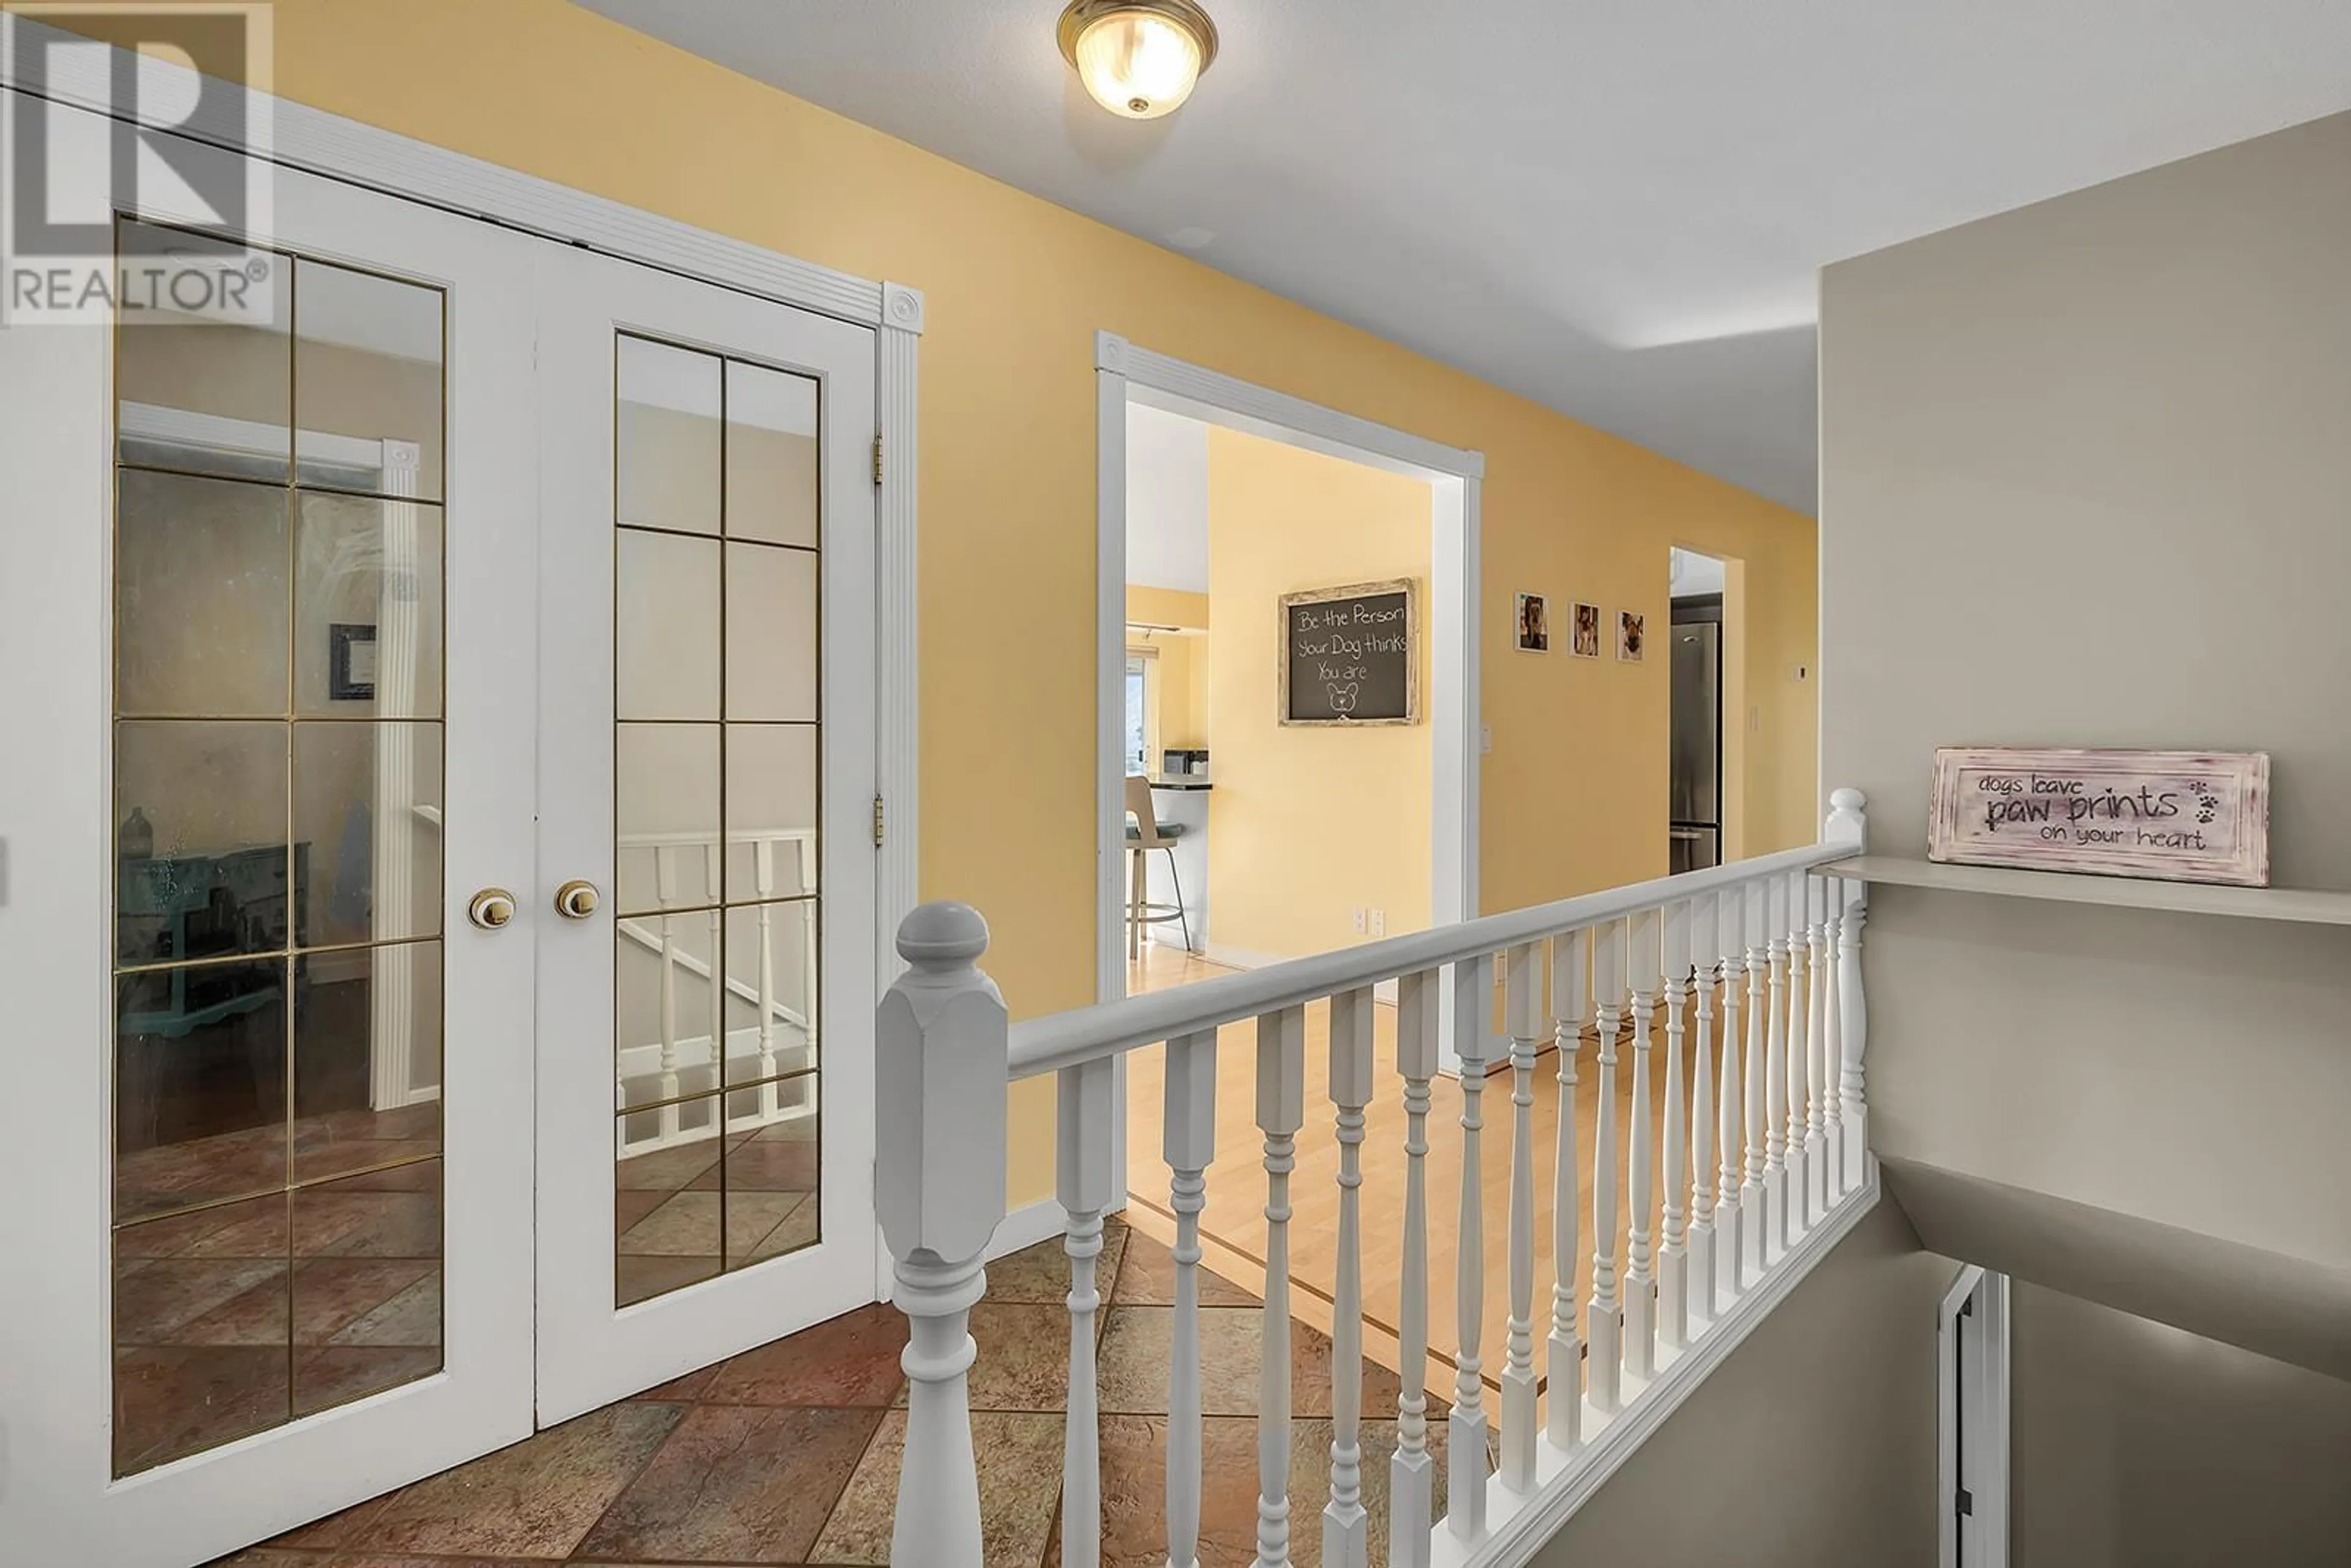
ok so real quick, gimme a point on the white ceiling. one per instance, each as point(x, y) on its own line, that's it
point(1614, 208)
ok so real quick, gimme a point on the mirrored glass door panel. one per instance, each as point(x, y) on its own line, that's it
point(278, 798)
point(711, 555)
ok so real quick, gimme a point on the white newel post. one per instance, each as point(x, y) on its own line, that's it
point(1189, 1140)
point(941, 1050)
point(1604, 1364)
point(1699, 1293)
point(1280, 1112)
point(1646, 970)
point(1412, 1486)
point(1346, 1527)
point(1848, 824)
point(1522, 975)
point(1673, 1245)
point(1085, 1183)
point(1571, 1004)
point(1465, 1481)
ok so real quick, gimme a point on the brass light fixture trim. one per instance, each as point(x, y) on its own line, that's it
point(1183, 15)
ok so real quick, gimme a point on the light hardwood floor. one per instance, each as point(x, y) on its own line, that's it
point(1233, 1225)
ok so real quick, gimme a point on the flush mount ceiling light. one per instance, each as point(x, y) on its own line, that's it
point(1138, 58)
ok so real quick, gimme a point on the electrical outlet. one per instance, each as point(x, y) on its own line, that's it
point(1379, 921)
point(1358, 913)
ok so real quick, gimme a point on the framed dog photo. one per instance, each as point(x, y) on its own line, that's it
point(1534, 624)
point(1584, 638)
point(1632, 633)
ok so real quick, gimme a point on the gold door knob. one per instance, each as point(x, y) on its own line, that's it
point(490, 908)
point(576, 900)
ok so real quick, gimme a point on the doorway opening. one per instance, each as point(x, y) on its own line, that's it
point(1157, 420)
point(1268, 818)
point(1971, 1360)
point(1698, 585)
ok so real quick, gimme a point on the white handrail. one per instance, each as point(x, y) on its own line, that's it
point(1048, 1044)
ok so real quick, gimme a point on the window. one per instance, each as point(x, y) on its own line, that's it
point(1138, 713)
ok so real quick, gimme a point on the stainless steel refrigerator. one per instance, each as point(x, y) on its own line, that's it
point(1696, 769)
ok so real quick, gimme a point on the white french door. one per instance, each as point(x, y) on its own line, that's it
point(436, 903)
point(707, 765)
point(268, 695)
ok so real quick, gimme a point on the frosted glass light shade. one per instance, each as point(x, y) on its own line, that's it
point(1138, 63)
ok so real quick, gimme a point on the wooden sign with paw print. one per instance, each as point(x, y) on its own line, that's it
point(2177, 816)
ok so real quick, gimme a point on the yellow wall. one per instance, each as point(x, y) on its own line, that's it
point(1307, 824)
point(1016, 288)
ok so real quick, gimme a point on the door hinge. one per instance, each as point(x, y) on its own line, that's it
point(877, 457)
point(879, 822)
point(1964, 1503)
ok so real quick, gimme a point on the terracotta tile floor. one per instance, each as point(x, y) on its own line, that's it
point(789, 1453)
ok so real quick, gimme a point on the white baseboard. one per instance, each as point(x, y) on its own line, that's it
point(1026, 1227)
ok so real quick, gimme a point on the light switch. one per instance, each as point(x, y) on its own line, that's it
point(1485, 740)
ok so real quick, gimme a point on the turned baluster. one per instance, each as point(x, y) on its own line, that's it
point(1751, 1210)
point(1729, 1219)
point(1410, 1472)
point(1281, 1112)
point(1673, 1247)
point(1189, 1139)
point(1086, 1185)
point(1605, 1369)
point(1800, 1050)
point(1345, 1526)
point(1521, 1008)
point(1570, 1005)
point(1465, 1508)
point(1645, 966)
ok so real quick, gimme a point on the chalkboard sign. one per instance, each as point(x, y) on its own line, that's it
point(1350, 655)
point(2181, 816)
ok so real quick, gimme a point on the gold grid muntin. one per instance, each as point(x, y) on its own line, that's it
point(289, 955)
point(724, 1092)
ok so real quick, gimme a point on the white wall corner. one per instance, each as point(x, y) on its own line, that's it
point(902, 307)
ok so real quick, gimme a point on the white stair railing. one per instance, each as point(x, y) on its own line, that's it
point(660, 1068)
point(1764, 1166)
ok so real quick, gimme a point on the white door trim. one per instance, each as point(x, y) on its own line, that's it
point(1986, 1329)
point(1124, 372)
point(302, 137)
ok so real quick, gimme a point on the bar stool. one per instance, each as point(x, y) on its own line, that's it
point(1145, 833)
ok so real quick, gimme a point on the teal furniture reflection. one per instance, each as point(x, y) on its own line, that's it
point(171, 909)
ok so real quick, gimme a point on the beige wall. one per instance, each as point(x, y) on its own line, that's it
point(1812, 1446)
point(1016, 289)
point(2137, 1446)
point(1308, 824)
point(2084, 483)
